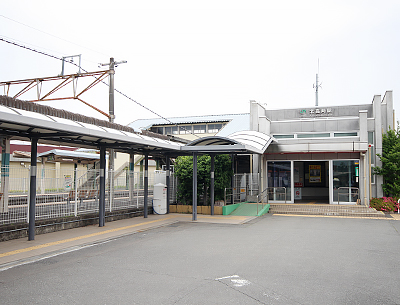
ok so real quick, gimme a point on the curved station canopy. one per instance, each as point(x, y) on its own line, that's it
point(241, 142)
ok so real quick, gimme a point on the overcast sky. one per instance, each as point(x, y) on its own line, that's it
point(189, 58)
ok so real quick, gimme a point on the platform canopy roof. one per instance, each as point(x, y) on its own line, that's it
point(58, 127)
point(20, 124)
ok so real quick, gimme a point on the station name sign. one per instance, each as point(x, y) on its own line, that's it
point(316, 112)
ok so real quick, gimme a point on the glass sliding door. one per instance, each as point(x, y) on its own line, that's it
point(345, 181)
point(279, 181)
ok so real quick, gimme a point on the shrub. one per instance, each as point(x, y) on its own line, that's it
point(385, 204)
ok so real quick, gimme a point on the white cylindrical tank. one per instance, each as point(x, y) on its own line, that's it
point(160, 198)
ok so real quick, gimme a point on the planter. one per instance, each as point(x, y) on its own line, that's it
point(183, 209)
point(217, 210)
point(187, 209)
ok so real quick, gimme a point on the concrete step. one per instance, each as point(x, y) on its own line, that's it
point(325, 209)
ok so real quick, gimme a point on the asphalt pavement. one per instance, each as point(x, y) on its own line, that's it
point(272, 259)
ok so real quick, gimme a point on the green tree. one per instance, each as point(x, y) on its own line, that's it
point(184, 173)
point(390, 158)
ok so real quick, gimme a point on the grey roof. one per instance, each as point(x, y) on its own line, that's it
point(235, 122)
point(68, 154)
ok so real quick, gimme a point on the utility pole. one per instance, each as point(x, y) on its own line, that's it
point(316, 86)
point(316, 90)
point(111, 73)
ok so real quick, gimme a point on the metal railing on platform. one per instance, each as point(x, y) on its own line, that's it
point(71, 192)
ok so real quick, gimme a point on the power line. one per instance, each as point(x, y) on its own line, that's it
point(72, 63)
point(31, 27)
point(29, 48)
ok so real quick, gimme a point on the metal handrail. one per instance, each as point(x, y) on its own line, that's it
point(233, 198)
point(262, 195)
point(260, 199)
point(350, 189)
point(232, 194)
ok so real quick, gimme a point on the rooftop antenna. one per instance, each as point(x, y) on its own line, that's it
point(316, 86)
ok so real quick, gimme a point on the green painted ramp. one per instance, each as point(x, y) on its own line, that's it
point(246, 209)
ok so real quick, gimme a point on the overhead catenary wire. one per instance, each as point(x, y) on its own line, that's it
point(55, 36)
point(72, 63)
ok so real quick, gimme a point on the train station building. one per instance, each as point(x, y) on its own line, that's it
point(321, 155)
point(318, 154)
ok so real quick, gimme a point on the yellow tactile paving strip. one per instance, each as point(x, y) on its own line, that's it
point(22, 249)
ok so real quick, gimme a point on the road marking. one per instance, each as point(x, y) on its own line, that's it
point(226, 277)
point(235, 280)
point(63, 241)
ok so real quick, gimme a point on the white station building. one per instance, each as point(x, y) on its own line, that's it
point(318, 154)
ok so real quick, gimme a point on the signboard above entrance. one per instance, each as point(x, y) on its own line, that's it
point(316, 112)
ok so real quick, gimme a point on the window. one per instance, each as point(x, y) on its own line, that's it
point(279, 181)
point(214, 128)
point(313, 135)
point(174, 130)
point(345, 134)
point(199, 128)
point(170, 130)
point(156, 129)
point(283, 136)
point(185, 129)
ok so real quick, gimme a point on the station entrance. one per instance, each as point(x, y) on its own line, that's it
point(316, 182)
point(311, 181)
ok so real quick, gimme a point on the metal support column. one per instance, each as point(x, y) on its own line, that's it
point(32, 190)
point(146, 184)
point(194, 207)
point(131, 176)
point(233, 178)
point(212, 183)
point(167, 181)
point(102, 196)
point(111, 178)
point(141, 174)
point(5, 174)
